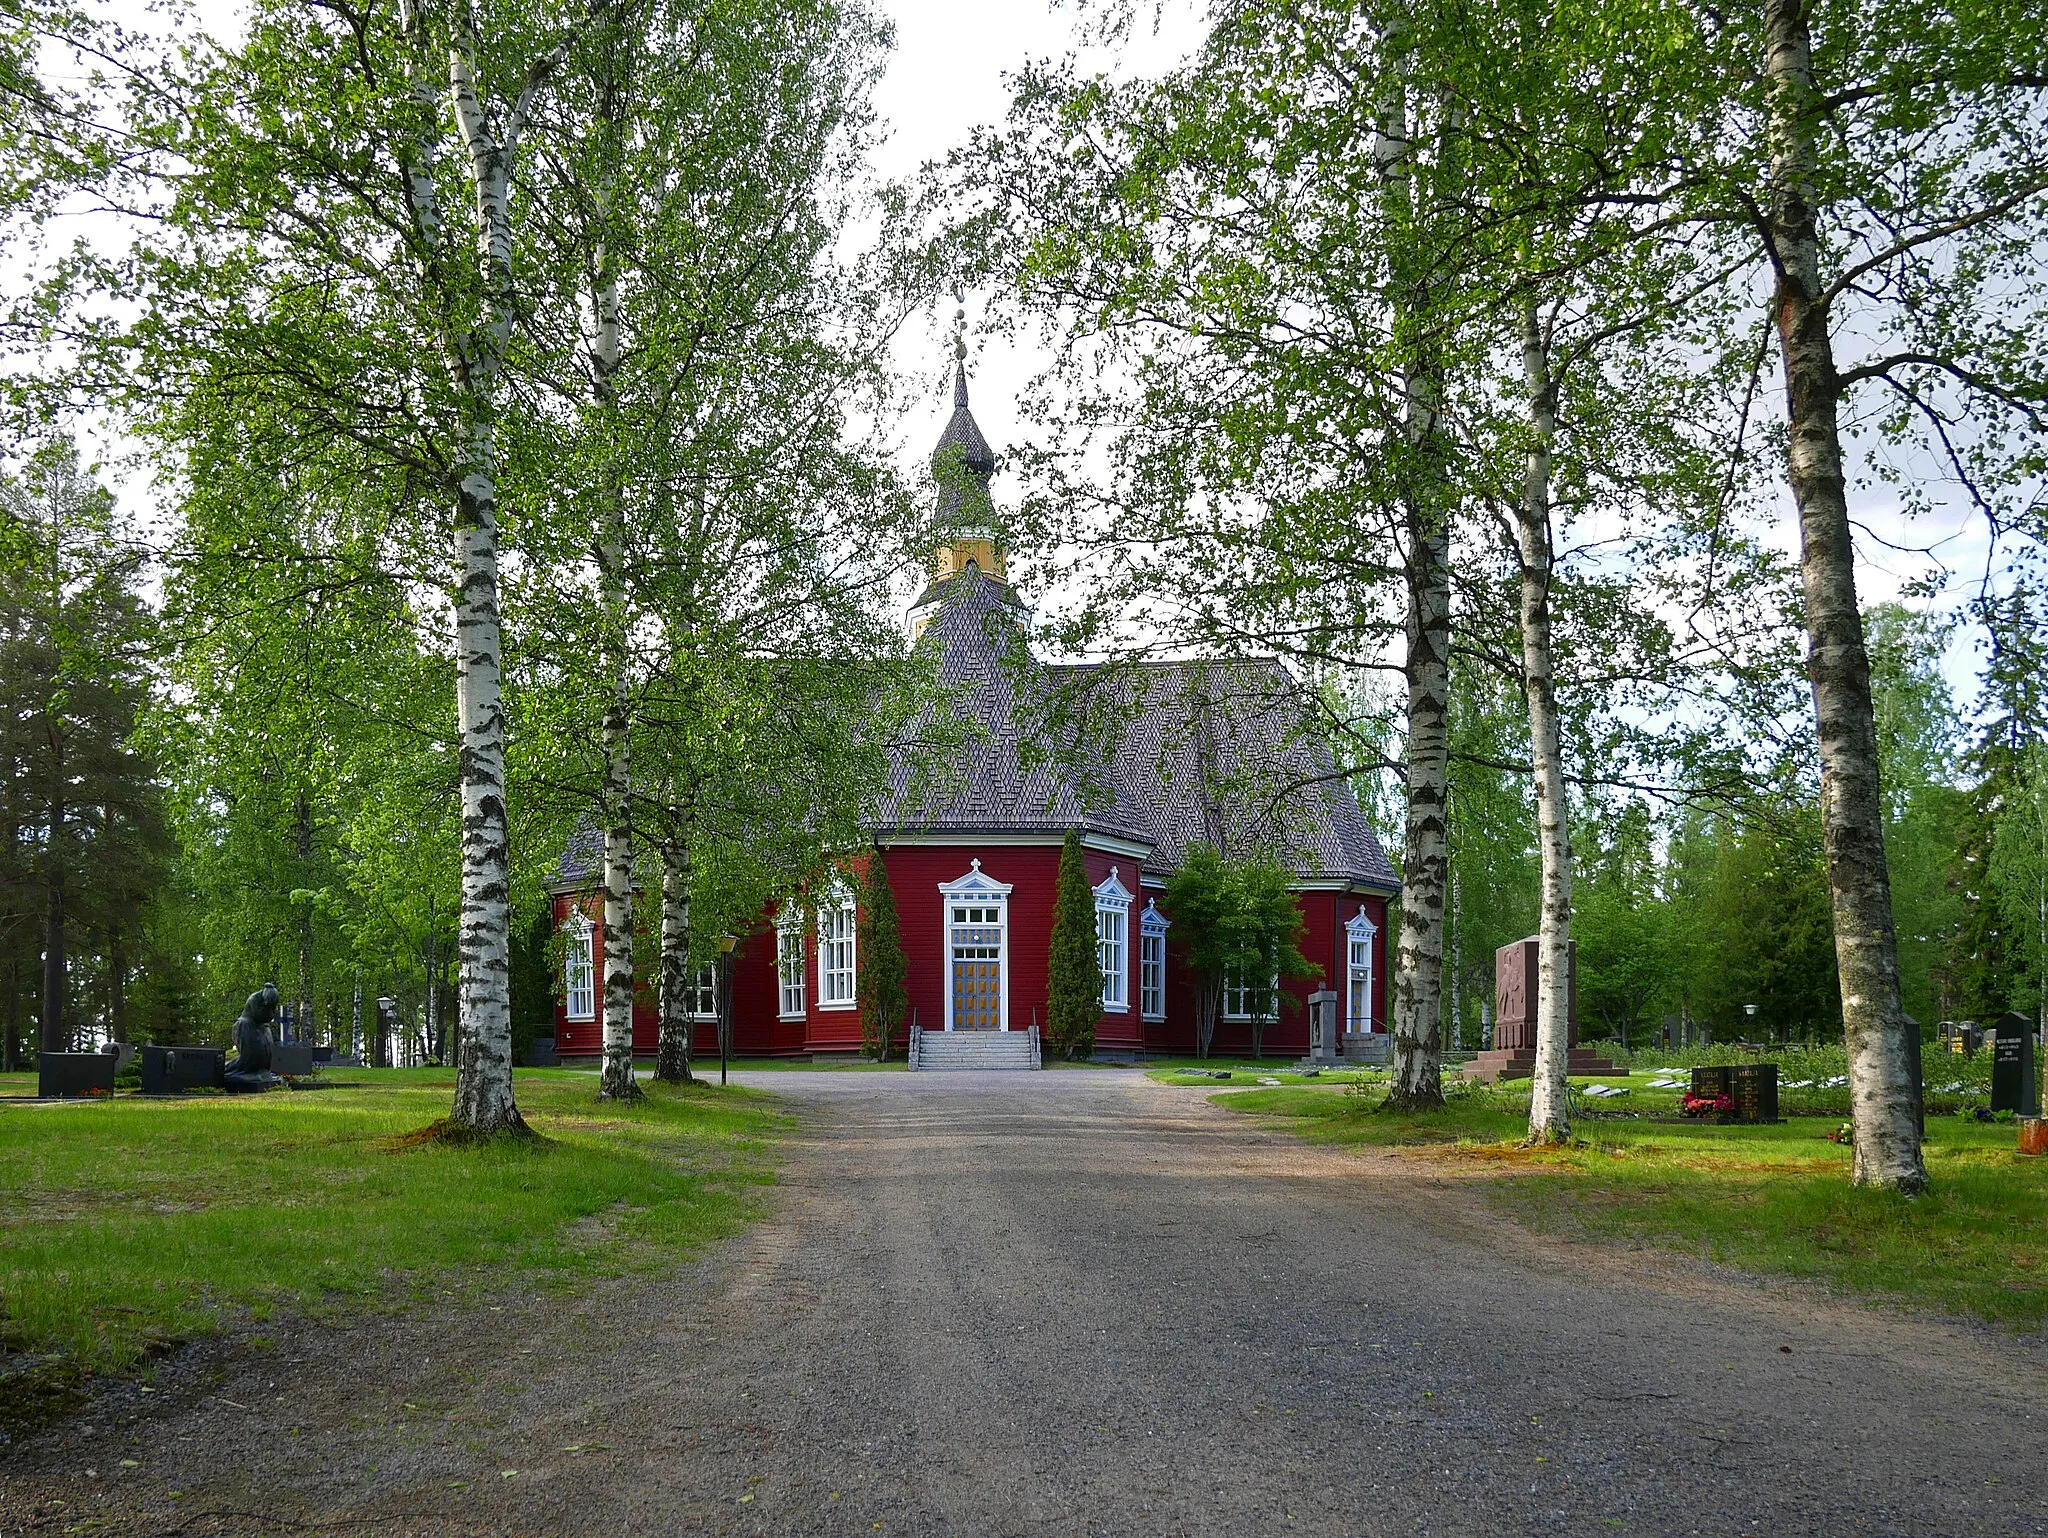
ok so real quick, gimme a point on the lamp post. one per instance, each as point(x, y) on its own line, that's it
point(725, 1003)
point(1750, 1010)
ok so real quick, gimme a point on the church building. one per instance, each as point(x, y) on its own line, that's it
point(1141, 759)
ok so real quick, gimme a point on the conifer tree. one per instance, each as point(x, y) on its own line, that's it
point(882, 984)
point(1073, 1000)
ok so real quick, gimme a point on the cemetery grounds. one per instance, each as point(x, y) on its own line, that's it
point(1769, 1200)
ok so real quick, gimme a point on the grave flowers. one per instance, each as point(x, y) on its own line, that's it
point(1707, 1105)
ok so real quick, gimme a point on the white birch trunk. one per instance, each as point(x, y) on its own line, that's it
point(616, 1082)
point(672, 1057)
point(1883, 1092)
point(483, 1088)
point(1549, 1106)
point(1415, 1078)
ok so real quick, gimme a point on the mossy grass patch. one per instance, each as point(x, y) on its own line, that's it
point(1765, 1199)
point(130, 1224)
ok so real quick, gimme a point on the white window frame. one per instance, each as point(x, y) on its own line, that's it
point(838, 949)
point(1152, 927)
point(1358, 938)
point(978, 890)
point(1113, 943)
point(579, 970)
point(700, 992)
point(1235, 992)
point(791, 974)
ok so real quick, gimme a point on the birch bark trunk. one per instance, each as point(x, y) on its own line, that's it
point(1882, 1089)
point(672, 1057)
point(475, 356)
point(1549, 1105)
point(616, 1081)
point(1415, 1079)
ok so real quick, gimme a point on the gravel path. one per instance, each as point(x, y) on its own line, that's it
point(1083, 1303)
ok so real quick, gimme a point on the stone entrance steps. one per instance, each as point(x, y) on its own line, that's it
point(937, 1051)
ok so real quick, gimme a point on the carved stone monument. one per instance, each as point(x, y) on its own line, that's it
point(1514, 1038)
point(248, 1071)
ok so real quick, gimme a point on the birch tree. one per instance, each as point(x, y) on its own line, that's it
point(1242, 263)
point(1902, 152)
point(335, 256)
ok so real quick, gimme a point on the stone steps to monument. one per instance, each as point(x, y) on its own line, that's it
point(1520, 1063)
point(968, 1050)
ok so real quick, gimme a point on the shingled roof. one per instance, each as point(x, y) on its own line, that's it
point(1162, 754)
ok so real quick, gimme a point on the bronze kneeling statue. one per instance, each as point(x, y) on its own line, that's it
point(249, 1069)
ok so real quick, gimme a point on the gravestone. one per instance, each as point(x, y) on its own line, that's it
point(72, 1075)
point(1671, 1033)
point(1752, 1087)
point(1515, 977)
point(2012, 1067)
point(542, 1053)
point(291, 1060)
point(175, 1070)
point(1322, 1026)
point(1515, 982)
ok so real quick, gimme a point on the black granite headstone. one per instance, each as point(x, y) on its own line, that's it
point(67, 1075)
point(2012, 1067)
point(542, 1053)
point(174, 1070)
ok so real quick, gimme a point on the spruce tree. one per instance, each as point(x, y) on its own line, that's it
point(1073, 1001)
point(882, 984)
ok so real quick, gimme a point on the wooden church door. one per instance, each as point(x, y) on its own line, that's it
point(977, 946)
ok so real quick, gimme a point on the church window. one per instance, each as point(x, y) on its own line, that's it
point(1112, 941)
point(700, 993)
point(789, 965)
point(1152, 963)
point(1358, 935)
point(836, 961)
point(581, 973)
point(1247, 1000)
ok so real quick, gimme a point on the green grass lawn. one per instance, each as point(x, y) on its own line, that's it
point(130, 1223)
point(1765, 1199)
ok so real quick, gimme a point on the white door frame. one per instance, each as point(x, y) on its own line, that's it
point(982, 891)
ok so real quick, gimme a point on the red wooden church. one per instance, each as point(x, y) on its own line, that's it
point(1141, 760)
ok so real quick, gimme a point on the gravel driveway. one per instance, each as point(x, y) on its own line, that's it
point(1084, 1303)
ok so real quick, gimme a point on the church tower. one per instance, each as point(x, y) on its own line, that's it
point(964, 515)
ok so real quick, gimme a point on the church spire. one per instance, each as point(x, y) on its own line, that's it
point(962, 465)
point(963, 435)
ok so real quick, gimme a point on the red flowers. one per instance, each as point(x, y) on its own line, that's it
point(1706, 1105)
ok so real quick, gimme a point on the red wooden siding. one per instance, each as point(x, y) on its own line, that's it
point(1032, 870)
